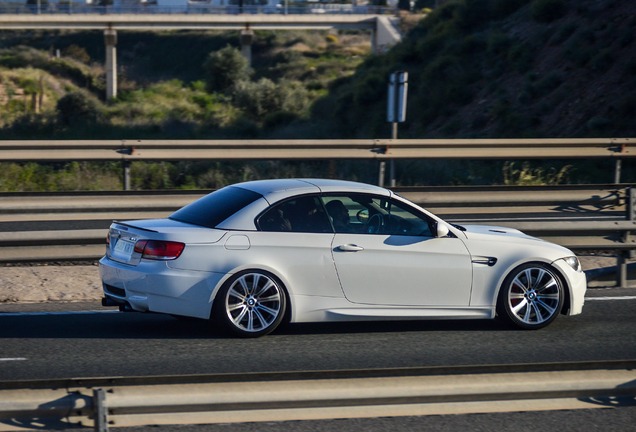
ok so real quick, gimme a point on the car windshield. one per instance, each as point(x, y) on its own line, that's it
point(214, 208)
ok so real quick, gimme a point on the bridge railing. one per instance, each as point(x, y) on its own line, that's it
point(196, 9)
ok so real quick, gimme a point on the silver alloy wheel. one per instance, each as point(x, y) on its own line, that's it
point(254, 302)
point(534, 296)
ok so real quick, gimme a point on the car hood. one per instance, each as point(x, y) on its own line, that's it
point(495, 231)
point(488, 235)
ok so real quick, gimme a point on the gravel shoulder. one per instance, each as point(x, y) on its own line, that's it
point(81, 283)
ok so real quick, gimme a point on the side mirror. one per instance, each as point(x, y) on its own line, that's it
point(442, 230)
point(363, 215)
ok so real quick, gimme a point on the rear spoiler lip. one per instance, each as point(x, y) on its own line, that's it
point(135, 227)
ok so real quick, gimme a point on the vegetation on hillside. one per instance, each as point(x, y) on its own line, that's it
point(477, 68)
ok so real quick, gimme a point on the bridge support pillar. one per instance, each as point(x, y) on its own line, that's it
point(247, 37)
point(374, 41)
point(110, 39)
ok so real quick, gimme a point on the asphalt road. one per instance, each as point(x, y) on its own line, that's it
point(102, 344)
point(597, 420)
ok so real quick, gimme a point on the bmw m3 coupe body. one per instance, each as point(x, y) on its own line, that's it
point(251, 255)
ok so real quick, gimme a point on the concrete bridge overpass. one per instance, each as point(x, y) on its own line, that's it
point(383, 28)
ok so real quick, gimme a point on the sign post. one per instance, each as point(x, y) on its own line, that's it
point(396, 113)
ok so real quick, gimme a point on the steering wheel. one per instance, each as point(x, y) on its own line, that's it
point(375, 224)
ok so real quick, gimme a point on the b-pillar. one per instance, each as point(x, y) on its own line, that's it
point(110, 39)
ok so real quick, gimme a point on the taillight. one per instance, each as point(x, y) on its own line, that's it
point(108, 238)
point(159, 250)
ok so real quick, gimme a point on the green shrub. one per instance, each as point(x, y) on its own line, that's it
point(598, 124)
point(224, 69)
point(503, 8)
point(603, 60)
point(580, 48)
point(76, 52)
point(564, 32)
point(498, 43)
point(145, 175)
point(546, 11)
point(529, 176)
point(263, 97)
point(279, 119)
point(548, 83)
point(520, 57)
point(78, 108)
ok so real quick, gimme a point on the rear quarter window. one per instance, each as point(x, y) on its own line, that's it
point(214, 208)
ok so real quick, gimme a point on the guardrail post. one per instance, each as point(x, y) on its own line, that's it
point(630, 204)
point(631, 216)
point(100, 411)
point(126, 168)
point(617, 171)
point(622, 256)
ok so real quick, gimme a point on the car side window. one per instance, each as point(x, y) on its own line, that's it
point(402, 220)
point(366, 214)
point(302, 214)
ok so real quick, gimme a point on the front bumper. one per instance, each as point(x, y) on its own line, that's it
point(577, 283)
point(151, 286)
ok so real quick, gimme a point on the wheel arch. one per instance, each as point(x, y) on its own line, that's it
point(557, 272)
point(265, 269)
point(564, 281)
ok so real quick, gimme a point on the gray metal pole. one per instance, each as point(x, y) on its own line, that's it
point(100, 411)
point(381, 174)
point(617, 171)
point(394, 135)
point(126, 166)
point(621, 270)
point(622, 256)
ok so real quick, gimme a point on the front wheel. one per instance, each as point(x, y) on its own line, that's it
point(531, 296)
point(251, 304)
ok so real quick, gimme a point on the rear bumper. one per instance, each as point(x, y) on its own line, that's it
point(151, 286)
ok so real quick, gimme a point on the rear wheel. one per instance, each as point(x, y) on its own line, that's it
point(251, 304)
point(531, 296)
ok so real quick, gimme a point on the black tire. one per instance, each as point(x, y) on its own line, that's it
point(531, 296)
point(250, 304)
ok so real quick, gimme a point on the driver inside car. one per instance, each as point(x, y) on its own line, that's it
point(339, 216)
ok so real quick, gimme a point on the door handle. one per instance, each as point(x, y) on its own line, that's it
point(349, 248)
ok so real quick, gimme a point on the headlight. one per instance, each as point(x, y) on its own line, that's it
point(573, 262)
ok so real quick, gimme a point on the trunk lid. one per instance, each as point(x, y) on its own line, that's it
point(124, 235)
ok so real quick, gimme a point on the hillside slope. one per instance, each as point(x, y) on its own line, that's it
point(513, 68)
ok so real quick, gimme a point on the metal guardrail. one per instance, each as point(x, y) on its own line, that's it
point(380, 149)
point(600, 202)
point(127, 151)
point(309, 395)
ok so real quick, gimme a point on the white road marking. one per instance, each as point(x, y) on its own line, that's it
point(13, 359)
point(14, 314)
point(611, 298)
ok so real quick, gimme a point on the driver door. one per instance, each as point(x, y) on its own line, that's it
point(397, 261)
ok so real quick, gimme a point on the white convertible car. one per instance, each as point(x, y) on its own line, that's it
point(251, 255)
